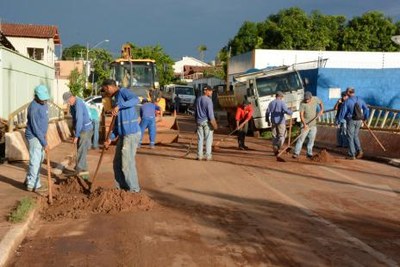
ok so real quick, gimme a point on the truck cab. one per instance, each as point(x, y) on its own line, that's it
point(260, 87)
point(186, 96)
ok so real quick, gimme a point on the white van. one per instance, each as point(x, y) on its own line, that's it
point(186, 95)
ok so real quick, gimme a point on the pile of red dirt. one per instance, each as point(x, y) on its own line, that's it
point(72, 200)
point(323, 157)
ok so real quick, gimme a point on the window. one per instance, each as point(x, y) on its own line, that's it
point(36, 53)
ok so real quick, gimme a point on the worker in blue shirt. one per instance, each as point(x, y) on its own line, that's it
point(206, 123)
point(277, 110)
point(354, 122)
point(148, 120)
point(83, 128)
point(94, 116)
point(127, 130)
point(36, 129)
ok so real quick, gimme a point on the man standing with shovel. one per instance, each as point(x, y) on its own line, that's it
point(83, 128)
point(277, 110)
point(128, 133)
point(308, 115)
point(244, 113)
point(354, 111)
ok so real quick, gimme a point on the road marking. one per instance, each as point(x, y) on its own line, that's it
point(344, 234)
point(376, 188)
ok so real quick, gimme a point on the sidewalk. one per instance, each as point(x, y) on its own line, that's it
point(12, 190)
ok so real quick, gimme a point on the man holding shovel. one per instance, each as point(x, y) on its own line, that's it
point(244, 113)
point(83, 128)
point(354, 111)
point(128, 133)
point(206, 123)
point(277, 110)
point(308, 115)
point(36, 129)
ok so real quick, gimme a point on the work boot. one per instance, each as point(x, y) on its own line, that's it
point(295, 156)
point(38, 190)
point(359, 155)
point(350, 157)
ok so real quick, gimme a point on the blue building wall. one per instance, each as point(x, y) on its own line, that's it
point(378, 87)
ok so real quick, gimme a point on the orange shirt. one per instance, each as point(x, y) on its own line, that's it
point(244, 113)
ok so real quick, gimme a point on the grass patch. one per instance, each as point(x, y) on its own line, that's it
point(21, 211)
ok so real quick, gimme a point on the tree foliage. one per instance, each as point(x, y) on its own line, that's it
point(164, 62)
point(292, 28)
point(74, 52)
point(77, 83)
point(202, 49)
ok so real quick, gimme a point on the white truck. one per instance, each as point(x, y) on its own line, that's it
point(259, 88)
point(186, 94)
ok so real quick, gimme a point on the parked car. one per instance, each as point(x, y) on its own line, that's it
point(95, 101)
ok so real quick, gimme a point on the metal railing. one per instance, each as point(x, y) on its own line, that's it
point(380, 118)
point(18, 118)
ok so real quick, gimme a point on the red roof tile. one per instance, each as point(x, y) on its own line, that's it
point(30, 30)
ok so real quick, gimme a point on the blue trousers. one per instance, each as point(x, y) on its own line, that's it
point(84, 144)
point(124, 163)
point(148, 123)
point(353, 131)
point(95, 134)
point(36, 156)
point(204, 134)
point(311, 133)
point(341, 135)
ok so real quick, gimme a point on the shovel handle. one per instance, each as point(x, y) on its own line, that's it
point(49, 181)
point(102, 152)
point(375, 137)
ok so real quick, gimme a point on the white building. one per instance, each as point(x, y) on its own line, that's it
point(263, 58)
point(187, 61)
point(37, 42)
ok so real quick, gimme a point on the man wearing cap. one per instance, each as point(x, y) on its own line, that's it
point(83, 128)
point(276, 114)
point(341, 137)
point(36, 129)
point(127, 131)
point(353, 122)
point(206, 123)
point(148, 120)
point(244, 113)
point(308, 116)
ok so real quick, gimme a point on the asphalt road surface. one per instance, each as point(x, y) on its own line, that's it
point(241, 209)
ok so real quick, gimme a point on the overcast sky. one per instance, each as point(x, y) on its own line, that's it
point(179, 26)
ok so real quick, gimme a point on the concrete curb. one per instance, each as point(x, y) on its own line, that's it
point(14, 237)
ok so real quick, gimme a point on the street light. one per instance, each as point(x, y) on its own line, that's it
point(89, 65)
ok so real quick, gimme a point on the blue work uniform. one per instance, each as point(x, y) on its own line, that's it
point(127, 130)
point(353, 126)
point(148, 121)
point(36, 130)
point(84, 131)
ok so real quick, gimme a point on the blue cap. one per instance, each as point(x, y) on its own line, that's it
point(42, 93)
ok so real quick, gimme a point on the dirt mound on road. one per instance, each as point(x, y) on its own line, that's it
point(323, 157)
point(72, 200)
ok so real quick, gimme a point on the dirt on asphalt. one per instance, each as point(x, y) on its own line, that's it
point(73, 200)
point(240, 209)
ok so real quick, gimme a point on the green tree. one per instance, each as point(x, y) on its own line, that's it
point(164, 62)
point(370, 32)
point(99, 57)
point(327, 31)
point(246, 39)
point(77, 83)
point(202, 49)
point(74, 52)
